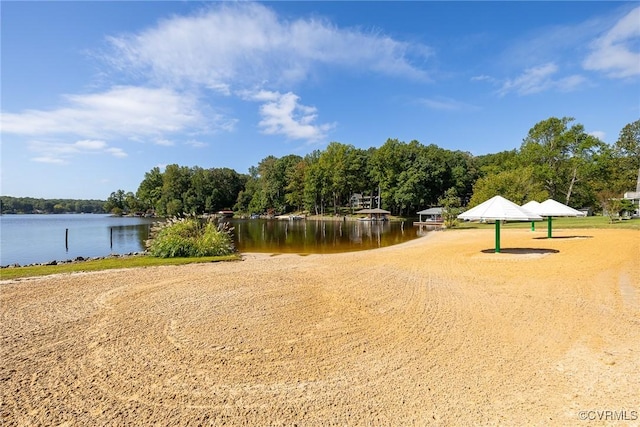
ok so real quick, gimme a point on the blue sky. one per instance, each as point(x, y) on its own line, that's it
point(95, 94)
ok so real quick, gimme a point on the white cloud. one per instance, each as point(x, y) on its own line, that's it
point(116, 152)
point(164, 142)
point(570, 83)
point(90, 144)
point(52, 160)
point(483, 78)
point(196, 144)
point(598, 134)
point(539, 79)
point(616, 52)
point(533, 80)
point(122, 111)
point(57, 152)
point(234, 46)
point(445, 104)
point(282, 114)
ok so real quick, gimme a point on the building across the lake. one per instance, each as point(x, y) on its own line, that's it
point(431, 216)
point(634, 197)
point(360, 201)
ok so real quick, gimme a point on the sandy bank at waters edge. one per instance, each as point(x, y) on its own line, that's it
point(431, 332)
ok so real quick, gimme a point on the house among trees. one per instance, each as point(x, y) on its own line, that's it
point(359, 201)
point(634, 197)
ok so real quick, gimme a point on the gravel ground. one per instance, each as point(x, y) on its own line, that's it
point(436, 331)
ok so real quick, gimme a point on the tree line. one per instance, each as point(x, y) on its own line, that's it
point(557, 159)
point(28, 205)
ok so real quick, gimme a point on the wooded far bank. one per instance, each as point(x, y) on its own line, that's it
point(557, 159)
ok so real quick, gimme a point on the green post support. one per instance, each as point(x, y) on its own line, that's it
point(533, 226)
point(497, 236)
point(548, 227)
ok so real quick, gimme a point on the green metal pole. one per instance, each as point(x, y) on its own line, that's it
point(533, 226)
point(548, 227)
point(497, 236)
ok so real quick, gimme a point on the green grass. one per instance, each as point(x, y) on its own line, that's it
point(560, 223)
point(105, 264)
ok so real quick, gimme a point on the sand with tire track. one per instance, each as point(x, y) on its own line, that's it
point(431, 332)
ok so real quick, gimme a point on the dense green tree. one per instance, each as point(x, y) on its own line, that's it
point(272, 182)
point(150, 189)
point(28, 205)
point(246, 196)
point(628, 144)
point(518, 185)
point(488, 164)
point(386, 166)
point(557, 159)
point(460, 172)
point(341, 167)
point(176, 181)
point(316, 188)
point(227, 184)
point(626, 158)
point(294, 191)
point(115, 202)
point(450, 203)
point(560, 156)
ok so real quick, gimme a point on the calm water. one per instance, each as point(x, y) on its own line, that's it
point(27, 239)
point(281, 236)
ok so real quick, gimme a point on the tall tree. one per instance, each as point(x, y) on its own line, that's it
point(518, 185)
point(560, 155)
point(176, 181)
point(115, 202)
point(627, 158)
point(386, 166)
point(342, 167)
point(150, 189)
point(294, 191)
point(316, 188)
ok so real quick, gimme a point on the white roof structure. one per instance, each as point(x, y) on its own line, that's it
point(531, 206)
point(373, 211)
point(551, 207)
point(431, 211)
point(500, 209)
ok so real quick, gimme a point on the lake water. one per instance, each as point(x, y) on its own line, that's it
point(309, 236)
point(27, 239)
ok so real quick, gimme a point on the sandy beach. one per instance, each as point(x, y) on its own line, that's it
point(437, 331)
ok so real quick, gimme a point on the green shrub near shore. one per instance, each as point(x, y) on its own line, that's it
point(190, 237)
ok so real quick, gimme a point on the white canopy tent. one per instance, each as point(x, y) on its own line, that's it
point(498, 209)
point(551, 208)
point(531, 207)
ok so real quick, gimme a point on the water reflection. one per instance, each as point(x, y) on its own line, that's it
point(310, 236)
point(125, 237)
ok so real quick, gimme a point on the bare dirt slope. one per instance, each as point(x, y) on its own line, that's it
point(431, 332)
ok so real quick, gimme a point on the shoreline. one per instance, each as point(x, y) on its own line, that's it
point(435, 330)
point(76, 260)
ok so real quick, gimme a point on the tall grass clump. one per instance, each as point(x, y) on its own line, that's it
point(190, 237)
